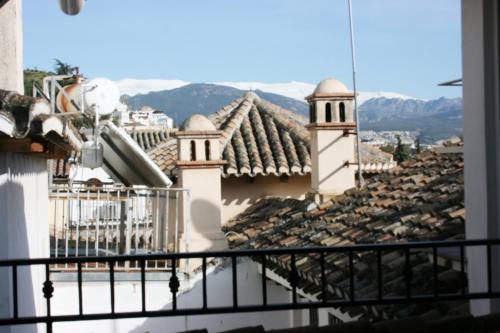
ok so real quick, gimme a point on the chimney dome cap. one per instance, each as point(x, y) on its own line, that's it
point(330, 86)
point(197, 122)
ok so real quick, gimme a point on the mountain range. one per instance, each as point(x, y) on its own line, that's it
point(294, 89)
point(434, 119)
point(203, 98)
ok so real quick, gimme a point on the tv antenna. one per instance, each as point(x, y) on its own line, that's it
point(361, 181)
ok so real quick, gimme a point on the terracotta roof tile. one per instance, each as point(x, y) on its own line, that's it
point(400, 214)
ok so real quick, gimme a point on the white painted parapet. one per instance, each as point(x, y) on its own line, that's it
point(11, 47)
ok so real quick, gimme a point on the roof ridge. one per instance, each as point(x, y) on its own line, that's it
point(224, 111)
point(284, 122)
point(235, 120)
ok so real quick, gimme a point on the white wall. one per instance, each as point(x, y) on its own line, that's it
point(235, 201)
point(11, 47)
point(128, 295)
point(481, 136)
point(205, 208)
point(330, 150)
point(24, 229)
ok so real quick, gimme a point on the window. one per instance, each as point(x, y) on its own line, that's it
point(328, 114)
point(312, 118)
point(207, 150)
point(193, 151)
point(342, 112)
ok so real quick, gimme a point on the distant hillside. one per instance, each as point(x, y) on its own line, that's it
point(203, 99)
point(33, 76)
point(436, 119)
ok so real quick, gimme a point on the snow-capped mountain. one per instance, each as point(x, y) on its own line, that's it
point(365, 96)
point(296, 90)
point(293, 89)
point(132, 87)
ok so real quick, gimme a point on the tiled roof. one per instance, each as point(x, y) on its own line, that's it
point(149, 138)
point(258, 138)
point(261, 138)
point(158, 143)
point(165, 155)
point(422, 199)
point(23, 117)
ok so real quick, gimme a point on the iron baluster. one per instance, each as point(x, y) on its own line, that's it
point(435, 271)
point(235, 281)
point(204, 271)
point(14, 291)
point(351, 275)
point(323, 277)
point(462, 269)
point(488, 259)
point(80, 293)
point(174, 284)
point(48, 291)
point(294, 279)
point(112, 284)
point(407, 273)
point(380, 281)
point(143, 285)
point(264, 282)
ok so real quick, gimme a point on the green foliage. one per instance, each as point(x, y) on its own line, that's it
point(402, 151)
point(418, 148)
point(63, 68)
point(33, 76)
point(387, 149)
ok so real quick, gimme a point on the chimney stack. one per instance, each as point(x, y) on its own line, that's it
point(332, 127)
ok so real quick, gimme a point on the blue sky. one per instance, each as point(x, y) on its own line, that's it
point(402, 46)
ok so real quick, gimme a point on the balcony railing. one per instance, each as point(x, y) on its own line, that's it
point(453, 252)
point(91, 221)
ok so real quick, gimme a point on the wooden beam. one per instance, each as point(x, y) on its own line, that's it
point(50, 155)
point(16, 145)
point(33, 148)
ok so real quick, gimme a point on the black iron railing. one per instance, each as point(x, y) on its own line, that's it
point(288, 261)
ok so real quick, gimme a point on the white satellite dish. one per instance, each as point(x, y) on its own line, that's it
point(71, 7)
point(101, 96)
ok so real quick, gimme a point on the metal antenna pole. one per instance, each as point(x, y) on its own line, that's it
point(353, 56)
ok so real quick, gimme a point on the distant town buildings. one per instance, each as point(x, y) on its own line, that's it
point(146, 116)
point(383, 138)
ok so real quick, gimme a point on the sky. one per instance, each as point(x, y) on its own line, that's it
point(402, 46)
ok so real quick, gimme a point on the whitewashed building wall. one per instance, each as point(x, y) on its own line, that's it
point(23, 230)
point(158, 296)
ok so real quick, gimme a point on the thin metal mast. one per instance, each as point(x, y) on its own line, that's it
point(361, 181)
